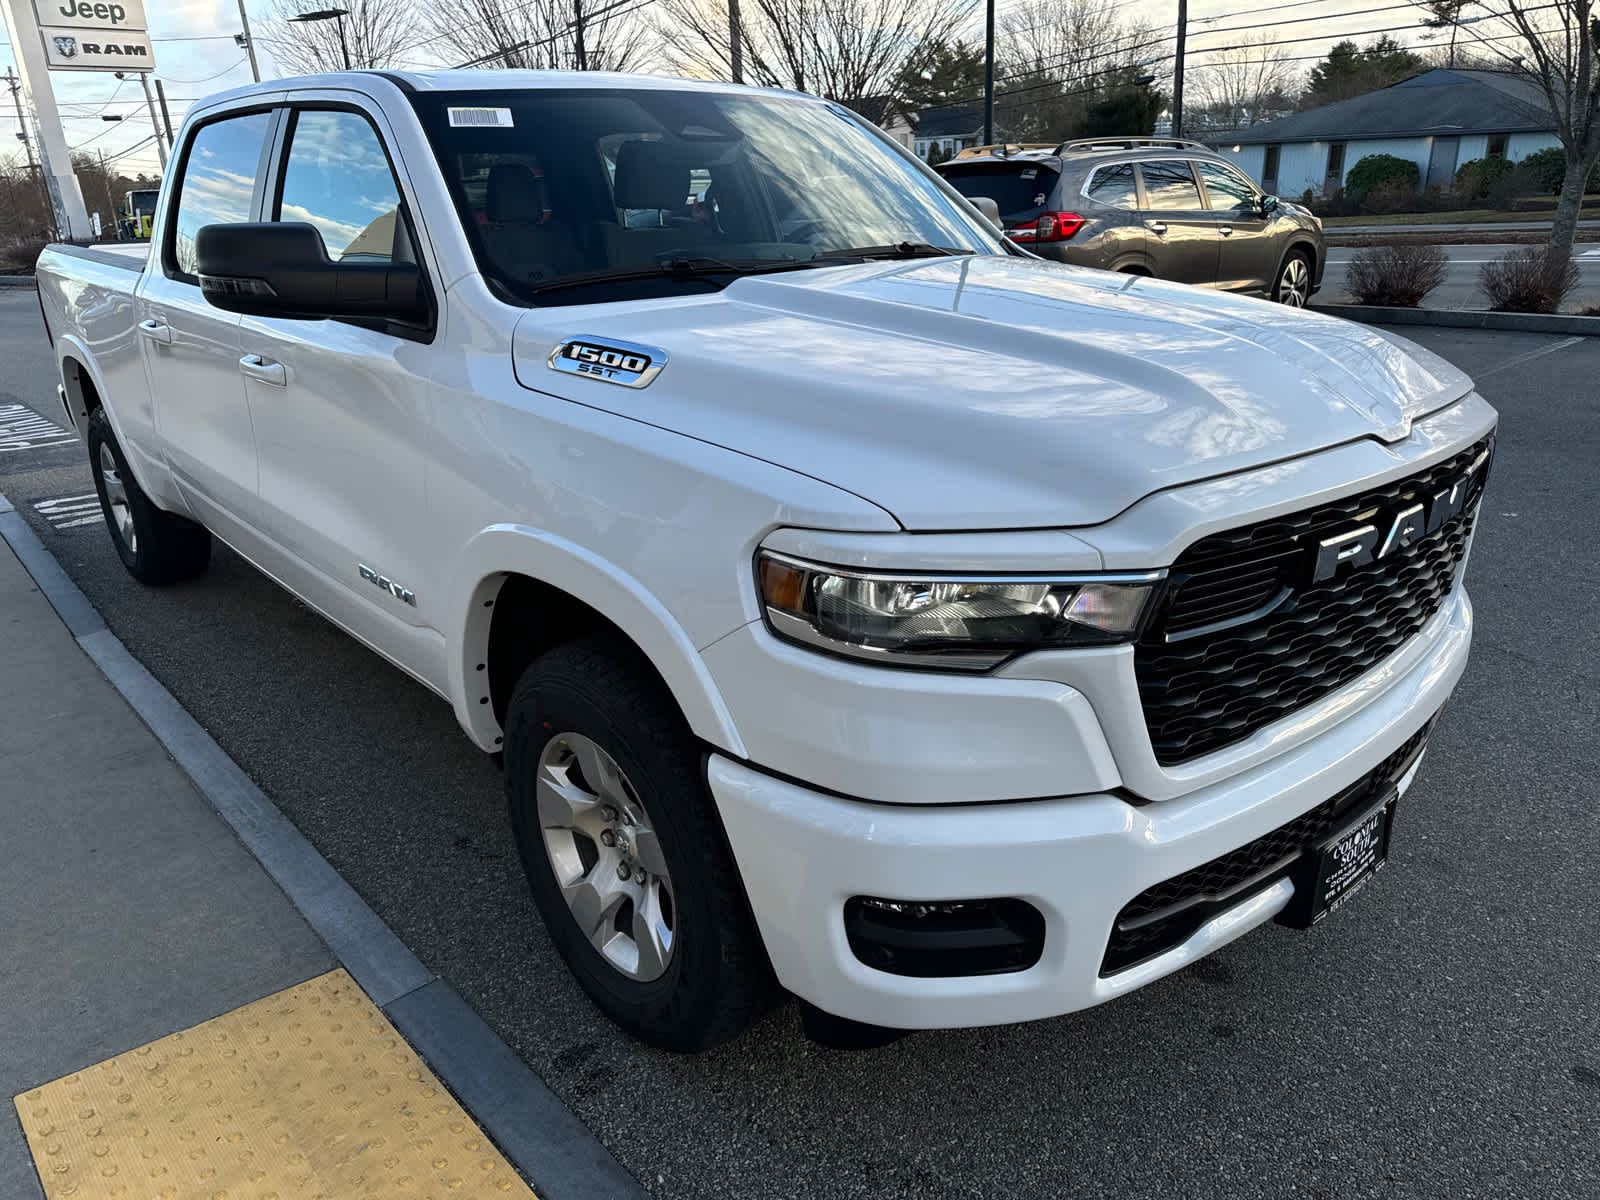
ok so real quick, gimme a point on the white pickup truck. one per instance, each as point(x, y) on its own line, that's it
point(860, 603)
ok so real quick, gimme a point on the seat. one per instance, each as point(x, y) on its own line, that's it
point(653, 176)
point(520, 237)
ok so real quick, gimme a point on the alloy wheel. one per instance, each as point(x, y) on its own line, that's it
point(1294, 285)
point(117, 500)
point(606, 856)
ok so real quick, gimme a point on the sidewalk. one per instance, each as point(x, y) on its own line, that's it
point(172, 1021)
point(1484, 227)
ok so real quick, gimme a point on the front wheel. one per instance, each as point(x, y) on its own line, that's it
point(1294, 280)
point(623, 851)
point(157, 547)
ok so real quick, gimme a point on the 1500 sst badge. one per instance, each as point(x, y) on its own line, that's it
point(609, 360)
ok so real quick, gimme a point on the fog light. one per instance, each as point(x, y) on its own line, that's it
point(930, 939)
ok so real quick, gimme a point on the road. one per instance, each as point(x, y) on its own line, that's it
point(1460, 289)
point(1437, 1039)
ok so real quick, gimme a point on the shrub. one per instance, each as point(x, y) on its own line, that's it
point(1545, 171)
point(17, 255)
point(1396, 276)
point(1474, 179)
point(1378, 169)
point(1531, 279)
point(1390, 197)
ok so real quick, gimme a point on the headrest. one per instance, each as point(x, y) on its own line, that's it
point(515, 193)
point(651, 175)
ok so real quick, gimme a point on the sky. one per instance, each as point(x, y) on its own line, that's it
point(195, 56)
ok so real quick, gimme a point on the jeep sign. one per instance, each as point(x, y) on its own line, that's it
point(99, 15)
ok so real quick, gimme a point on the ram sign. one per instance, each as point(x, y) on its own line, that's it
point(94, 35)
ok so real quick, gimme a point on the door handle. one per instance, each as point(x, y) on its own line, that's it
point(1157, 227)
point(156, 330)
point(257, 367)
point(1226, 231)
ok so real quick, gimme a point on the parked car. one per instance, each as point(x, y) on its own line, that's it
point(1150, 206)
point(857, 600)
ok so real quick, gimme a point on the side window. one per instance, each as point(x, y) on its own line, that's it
point(1226, 189)
point(1169, 185)
point(219, 179)
point(1114, 186)
point(337, 178)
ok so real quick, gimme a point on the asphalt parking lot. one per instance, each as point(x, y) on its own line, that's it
point(1439, 1038)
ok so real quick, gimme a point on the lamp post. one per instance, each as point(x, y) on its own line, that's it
point(331, 14)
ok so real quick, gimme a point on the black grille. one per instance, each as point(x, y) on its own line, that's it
point(1166, 914)
point(1204, 687)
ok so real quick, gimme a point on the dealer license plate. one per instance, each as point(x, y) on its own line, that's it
point(1329, 874)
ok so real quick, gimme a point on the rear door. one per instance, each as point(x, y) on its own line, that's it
point(1183, 242)
point(1249, 251)
point(191, 350)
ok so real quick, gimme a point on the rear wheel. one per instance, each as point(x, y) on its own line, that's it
point(1293, 286)
point(157, 547)
point(623, 851)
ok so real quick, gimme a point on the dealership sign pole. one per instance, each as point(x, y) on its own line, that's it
point(72, 218)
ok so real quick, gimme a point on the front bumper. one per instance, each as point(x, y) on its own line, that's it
point(1077, 859)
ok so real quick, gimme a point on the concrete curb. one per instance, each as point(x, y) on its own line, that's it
point(1465, 319)
point(18, 281)
point(528, 1122)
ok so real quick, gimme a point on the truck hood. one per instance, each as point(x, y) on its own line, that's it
point(988, 392)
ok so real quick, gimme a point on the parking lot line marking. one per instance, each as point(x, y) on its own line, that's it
point(68, 512)
point(1521, 359)
point(309, 1092)
point(23, 429)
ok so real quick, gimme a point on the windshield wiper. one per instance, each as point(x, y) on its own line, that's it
point(895, 250)
point(674, 268)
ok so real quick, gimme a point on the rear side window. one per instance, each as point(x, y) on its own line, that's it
point(1114, 186)
point(1170, 185)
point(1019, 189)
point(337, 178)
point(219, 180)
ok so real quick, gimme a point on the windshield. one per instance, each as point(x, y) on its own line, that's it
point(558, 187)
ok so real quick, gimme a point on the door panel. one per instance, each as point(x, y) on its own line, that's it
point(1248, 243)
point(1182, 239)
point(191, 350)
point(340, 408)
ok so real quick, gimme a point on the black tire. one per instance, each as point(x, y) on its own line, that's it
point(717, 978)
point(1296, 292)
point(158, 547)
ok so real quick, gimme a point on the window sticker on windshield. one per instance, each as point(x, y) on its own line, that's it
point(1031, 173)
point(478, 117)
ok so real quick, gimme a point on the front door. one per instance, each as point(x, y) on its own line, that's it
point(1181, 232)
point(341, 407)
point(191, 350)
point(1442, 162)
point(1249, 253)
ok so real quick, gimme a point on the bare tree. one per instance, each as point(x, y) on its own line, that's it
point(847, 50)
point(1243, 85)
point(1555, 43)
point(377, 33)
point(1055, 59)
point(541, 34)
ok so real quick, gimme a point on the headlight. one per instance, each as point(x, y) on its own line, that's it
point(967, 624)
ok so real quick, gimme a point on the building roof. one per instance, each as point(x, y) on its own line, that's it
point(1441, 102)
point(950, 120)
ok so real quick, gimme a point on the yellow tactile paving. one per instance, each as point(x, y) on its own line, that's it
point(309, 1093)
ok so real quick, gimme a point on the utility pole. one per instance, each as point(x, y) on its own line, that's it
point(166, 117)
point(27, 145)
point(111, 202)
point(735, 37)
point(988, 73)
point(249, 42)
point(1178, 69)
point(70, 216)
point(155, 121)
point(577, 33)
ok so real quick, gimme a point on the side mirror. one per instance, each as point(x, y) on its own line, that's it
point(282, 269)
point(1269, 205)
point(989, 209)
